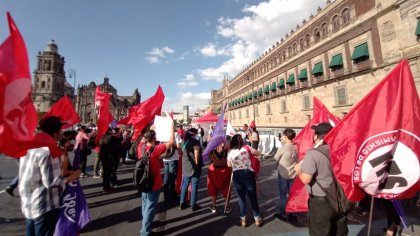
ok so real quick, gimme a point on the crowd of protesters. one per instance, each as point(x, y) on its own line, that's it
point(44, 171)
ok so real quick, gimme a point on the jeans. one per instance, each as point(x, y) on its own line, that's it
point(148, 209)
point(284, 188)
point(96, 165)
point(244, 182)
point(171, 168)
point(83, 161)
point(194, 179)
point(322, 220)
point(106, 174)
point(43, 225)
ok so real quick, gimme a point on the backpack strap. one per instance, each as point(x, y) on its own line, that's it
point(327, 156)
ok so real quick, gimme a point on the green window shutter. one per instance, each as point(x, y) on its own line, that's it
point(360, 52)
point(318, 70)
point(274, 86)
point(418, 27)
point(260, 92)
point(255, 94)
point(281, 83)
point(336, 61)
point(267, 89)
point(303, 75)
point(291, 79)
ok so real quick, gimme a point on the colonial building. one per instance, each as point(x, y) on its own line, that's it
point(118, 106)
point(49, 79)
point(337, 55)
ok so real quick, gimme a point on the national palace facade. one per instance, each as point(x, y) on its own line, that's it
point(338, 56)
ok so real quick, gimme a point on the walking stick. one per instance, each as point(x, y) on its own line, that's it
point(228, 195)
point(370, 216)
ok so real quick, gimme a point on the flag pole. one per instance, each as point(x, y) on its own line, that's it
point(228, 195)
point(370, 215)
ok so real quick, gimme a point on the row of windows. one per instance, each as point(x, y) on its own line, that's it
point(360, 54)
point(340, 94)
point(319, 33)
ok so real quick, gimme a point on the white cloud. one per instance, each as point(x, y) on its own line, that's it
point(155, 55)
point(263, 25)
point(188, 81)
point(193, 100)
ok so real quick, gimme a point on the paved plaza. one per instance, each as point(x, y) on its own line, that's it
point(120, 213)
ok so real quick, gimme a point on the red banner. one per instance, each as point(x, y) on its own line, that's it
point(18, 118)
point(64, 110)
point(375, 149)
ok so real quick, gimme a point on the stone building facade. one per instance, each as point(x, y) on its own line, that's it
point(118, 105)
point(338, 56)
point(50, 82)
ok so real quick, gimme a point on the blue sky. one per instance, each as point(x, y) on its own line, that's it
point(185, 46)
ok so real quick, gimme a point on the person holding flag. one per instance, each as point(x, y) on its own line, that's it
point(41, 181)
point(316, 173)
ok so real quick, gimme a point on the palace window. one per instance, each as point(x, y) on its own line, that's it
point(306, 102)
point(317, 35)
point(336, 23)
point(308, 40)
point(268, 109)
point(301, 45)
point(340, 96)
point(360, 53)
point(324, 29)
point(283, 106)
point(43, 84)
point(345, 15)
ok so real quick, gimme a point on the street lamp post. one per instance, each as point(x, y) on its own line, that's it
point(72, 74)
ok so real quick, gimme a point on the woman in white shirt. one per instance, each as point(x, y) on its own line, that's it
point(244, 178)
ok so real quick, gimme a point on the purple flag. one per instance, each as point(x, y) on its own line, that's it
point(400, 211)
point(218, 137)
point(74, 211)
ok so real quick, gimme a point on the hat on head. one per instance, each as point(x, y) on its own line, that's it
point(322, 128)
point(50, 124)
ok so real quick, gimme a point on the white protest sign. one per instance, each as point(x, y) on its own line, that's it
point(163, 128)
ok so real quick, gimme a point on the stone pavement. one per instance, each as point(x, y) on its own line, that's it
point(120, 213)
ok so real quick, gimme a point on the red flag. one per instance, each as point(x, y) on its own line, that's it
point(124, 121)
point(104, 117)
point(252, 125)
point(171, 114)
point(64, 110)
point(146, 111)
point(18, 117)
point(376, 147)
point(101, 98)
point(298, 196)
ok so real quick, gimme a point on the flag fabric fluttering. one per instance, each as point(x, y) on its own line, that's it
point(74, 211)
point(218, 136)
point(229, 129)
point(104, 116)
point(145, 112)
point(64, 110)
point(18, 117)
point(375, 149)
point(298, 196)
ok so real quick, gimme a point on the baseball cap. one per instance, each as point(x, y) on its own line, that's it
point(322, 128)
point(50, 124)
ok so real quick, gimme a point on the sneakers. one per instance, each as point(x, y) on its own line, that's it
point(96, 176)
point(228, 210)
point(258, 222)
point(196, 207)
point(183, 206)
point(84, 175)
point(242, 223)
point(10, 191)
point(212, 209)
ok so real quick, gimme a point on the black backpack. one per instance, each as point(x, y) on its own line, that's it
point(169, 152)
point(143, 178)
point(335, 193)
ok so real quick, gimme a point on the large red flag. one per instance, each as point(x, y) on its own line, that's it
point(104, 116)
point(125, 120)
point(64, 110)
point(18, 118)
point(298, 196)
point(376, 148)
point(145, 112)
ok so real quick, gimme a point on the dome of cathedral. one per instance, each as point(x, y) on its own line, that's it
point(52, 47)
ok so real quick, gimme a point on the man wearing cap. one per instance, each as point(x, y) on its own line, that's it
point(40, 179)
point(315, 170)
